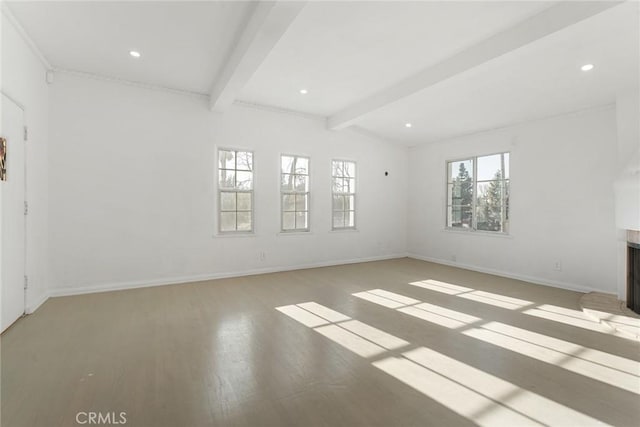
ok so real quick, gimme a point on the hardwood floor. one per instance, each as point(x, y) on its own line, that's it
point(419, 344)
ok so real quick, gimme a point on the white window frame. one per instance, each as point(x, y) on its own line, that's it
point(474, 216)
point(221, 190)
point(295, 192)
point(353, 193)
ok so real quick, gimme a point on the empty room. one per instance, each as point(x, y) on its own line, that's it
point(320, 213)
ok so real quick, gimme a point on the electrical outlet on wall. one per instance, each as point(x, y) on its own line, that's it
point(262, 256)
point(557, 265)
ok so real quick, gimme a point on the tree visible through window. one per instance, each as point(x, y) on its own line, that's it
point(478, 193)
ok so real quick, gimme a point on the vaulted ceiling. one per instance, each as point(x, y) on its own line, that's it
point(448, 68)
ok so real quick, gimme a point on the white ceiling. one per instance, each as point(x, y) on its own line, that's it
point(343, 52)
point(539, 80)
point(183, 44)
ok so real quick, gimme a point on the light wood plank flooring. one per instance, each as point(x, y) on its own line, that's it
point(390, 343)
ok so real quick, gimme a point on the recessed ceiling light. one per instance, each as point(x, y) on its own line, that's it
point(304, 91)
point(408, 125)
point(587, 67)
point(134, 53)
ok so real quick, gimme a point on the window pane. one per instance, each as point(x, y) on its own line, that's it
point(350, 169)
point(489, 167)
point(350, 219)
point(288, 220)
point(302, 166)
point(301, 220)
point(506, 165)
point(490, 225)
point(337, 167)
point(489, 206)
point(226, 159)
point(461, 170)
point(288, 202)
point(349, 203)
point(338, 185)
point(460, 193)
point(349, 185)
point(338, 219)
point(301, 202)
point(459, 216)
point(228, 201)
point(454, 194)
point(338, 203)
point(490, 192)
point(286, 164)
point(244, 160)
point(244, 221)
point(302, 182)
point(244, 201)
point(507, 190)
point(227, 221)
point(226, 178)
point(286, 182)
point(244, 180)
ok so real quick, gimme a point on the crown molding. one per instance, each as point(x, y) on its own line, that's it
point(102, 77)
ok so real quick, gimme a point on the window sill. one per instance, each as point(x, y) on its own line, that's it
point(470, 232)
point(344, 230)
point(294, 233)
point(236, 234)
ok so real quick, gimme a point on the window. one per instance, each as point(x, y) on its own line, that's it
point(478, 193)
point(294, 193)
point(235, 191)
point(344, 194)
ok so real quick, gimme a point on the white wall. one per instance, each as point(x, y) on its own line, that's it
point(628, 177)
point(132, 193)
point(23, 79)
point(627, 184)
point(561, 206)
point(132, 189)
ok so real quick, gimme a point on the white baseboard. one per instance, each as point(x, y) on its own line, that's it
point(524, 278)
point(67, 291)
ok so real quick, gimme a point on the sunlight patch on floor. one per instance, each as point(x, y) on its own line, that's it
point(481, 397)
point(324, 312)
point(544, 311)
point(485, 297)
point(571, 363)
point(394, 297)
point(413, 307)
point(568, 319)
point(454, 396)
point(350, 341)
point(600, 366)
point(596, 356)
point(358, 337)
point(497, 389)
point(303, 316)
point(376, 299)
point(388, 341)
point(496, 300)
point(443, 287)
